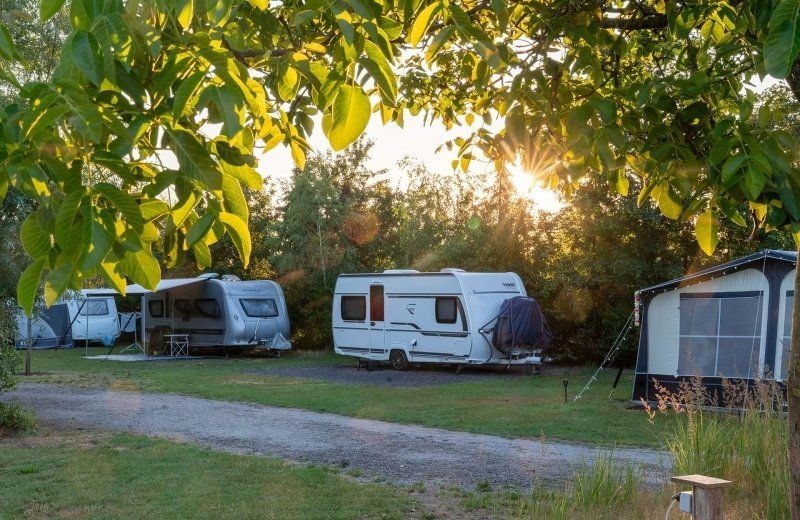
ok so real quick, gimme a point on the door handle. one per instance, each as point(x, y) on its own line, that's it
point(372, 324)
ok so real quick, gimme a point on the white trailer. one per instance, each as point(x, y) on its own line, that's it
point(226, 313)
point(405, 317)
point(93, 316)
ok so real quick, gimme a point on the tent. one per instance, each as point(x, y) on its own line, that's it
point(51, 329)
point(730, 321)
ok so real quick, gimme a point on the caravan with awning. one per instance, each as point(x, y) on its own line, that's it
point(212, 312)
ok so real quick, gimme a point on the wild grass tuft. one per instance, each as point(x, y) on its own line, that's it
point(15, 418)
point(747, 443)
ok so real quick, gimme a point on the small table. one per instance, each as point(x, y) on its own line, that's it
point(178, 344)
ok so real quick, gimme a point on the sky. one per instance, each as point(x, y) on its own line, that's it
point(416, 140)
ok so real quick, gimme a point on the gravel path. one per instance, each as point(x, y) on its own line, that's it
point(398, 453)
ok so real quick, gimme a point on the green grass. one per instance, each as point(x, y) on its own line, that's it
point(124, 476)
point(513, 406)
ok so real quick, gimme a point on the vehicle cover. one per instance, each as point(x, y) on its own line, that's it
point(520, 325)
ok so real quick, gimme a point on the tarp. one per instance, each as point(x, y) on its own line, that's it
point(50, 330)
point(520, 325)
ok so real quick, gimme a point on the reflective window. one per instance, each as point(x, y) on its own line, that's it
point(446, 309)
point(156, 308)
point(376, 303)
point(94, 307)
point(209, 308)
point(354, 308)
point(259, 307)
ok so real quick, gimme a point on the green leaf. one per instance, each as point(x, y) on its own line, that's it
point(194, 159)
point(111, 271)
point(421, 24)
point(86, 55)
point(499, 8)
point(48, 9)
point(706, 228)
point(755, 182)
point(184, 9)
point(669, 203)
point(438, 41)
point(7, 48)
point(730, 211)
point(730, 169)
point(782, 44)
point(202, 255)
point(57, 282)
point(234, 198)
point(199, 229)
point(185, 93)
point(153, 209)
point(142, 267)
point(181, 210)
point(28, 285)
point(229, 103)
point(123, 202)
point(240, 235)
point(66, 215)
point(350, 114)
point(35, 240)
point(99, 241)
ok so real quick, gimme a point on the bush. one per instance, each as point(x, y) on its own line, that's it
point(16, 418)
point(9, 361)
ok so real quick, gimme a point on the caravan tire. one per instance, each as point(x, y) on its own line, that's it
point(398, 360)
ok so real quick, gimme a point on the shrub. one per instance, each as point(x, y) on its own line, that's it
point(9, 361)
point(16, 418)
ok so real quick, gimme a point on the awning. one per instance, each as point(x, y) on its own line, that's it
point(163, 285)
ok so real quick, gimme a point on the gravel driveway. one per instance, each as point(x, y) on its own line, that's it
point(401, 454)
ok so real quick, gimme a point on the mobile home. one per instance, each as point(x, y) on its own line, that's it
point(93, 316)
point(728, 321)
point(226, 312)
point(452, 316)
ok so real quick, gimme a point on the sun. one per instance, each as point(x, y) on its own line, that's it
point(526, 185)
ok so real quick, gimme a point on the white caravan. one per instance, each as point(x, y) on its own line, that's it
point(218, 313)
point(93, 316)
point(405, 317)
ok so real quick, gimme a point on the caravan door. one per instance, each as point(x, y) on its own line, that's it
point(376, 319)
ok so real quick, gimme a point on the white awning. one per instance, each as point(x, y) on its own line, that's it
point(163, 285)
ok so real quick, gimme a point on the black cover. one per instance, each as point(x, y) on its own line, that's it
point(520, 325)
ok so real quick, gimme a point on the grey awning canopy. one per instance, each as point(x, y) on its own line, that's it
point(163, 285)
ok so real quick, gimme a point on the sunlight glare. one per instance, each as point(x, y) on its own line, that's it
point(529, 187)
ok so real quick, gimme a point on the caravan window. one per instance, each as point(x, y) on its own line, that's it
point(156, 308)
point(183, 307)
point(94, 307)
point(446, 310)
point(354, 308)
point(259, 308)
point(720, 334)
point(209, 308)
point(376, 303)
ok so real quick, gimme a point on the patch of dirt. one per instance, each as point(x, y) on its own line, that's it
point(47, 437)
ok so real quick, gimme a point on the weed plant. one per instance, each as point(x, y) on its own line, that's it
point(744, 440)
point(15, 419)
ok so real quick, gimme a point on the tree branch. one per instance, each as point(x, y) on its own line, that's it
point(653, 21)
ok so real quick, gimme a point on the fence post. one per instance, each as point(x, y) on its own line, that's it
point(707, 495)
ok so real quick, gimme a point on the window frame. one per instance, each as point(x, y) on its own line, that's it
point(201, 313)
point(84, 308)
point(455, 309)
point(159, 304)
point(719, 338)
point(246, 313)
point(352, 297)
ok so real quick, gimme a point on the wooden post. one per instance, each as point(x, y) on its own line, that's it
point(707, 499)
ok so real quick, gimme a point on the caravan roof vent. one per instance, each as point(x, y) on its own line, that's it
point(231, 278)
point(400, 271)
point(452, 270)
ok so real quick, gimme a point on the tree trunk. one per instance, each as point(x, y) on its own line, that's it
point(30, 347)
point(793, 400)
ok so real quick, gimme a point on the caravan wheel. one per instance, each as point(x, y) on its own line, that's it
point(399, 360)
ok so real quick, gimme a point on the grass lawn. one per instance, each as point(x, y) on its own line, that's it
point(124, 476)
point(512, 406)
